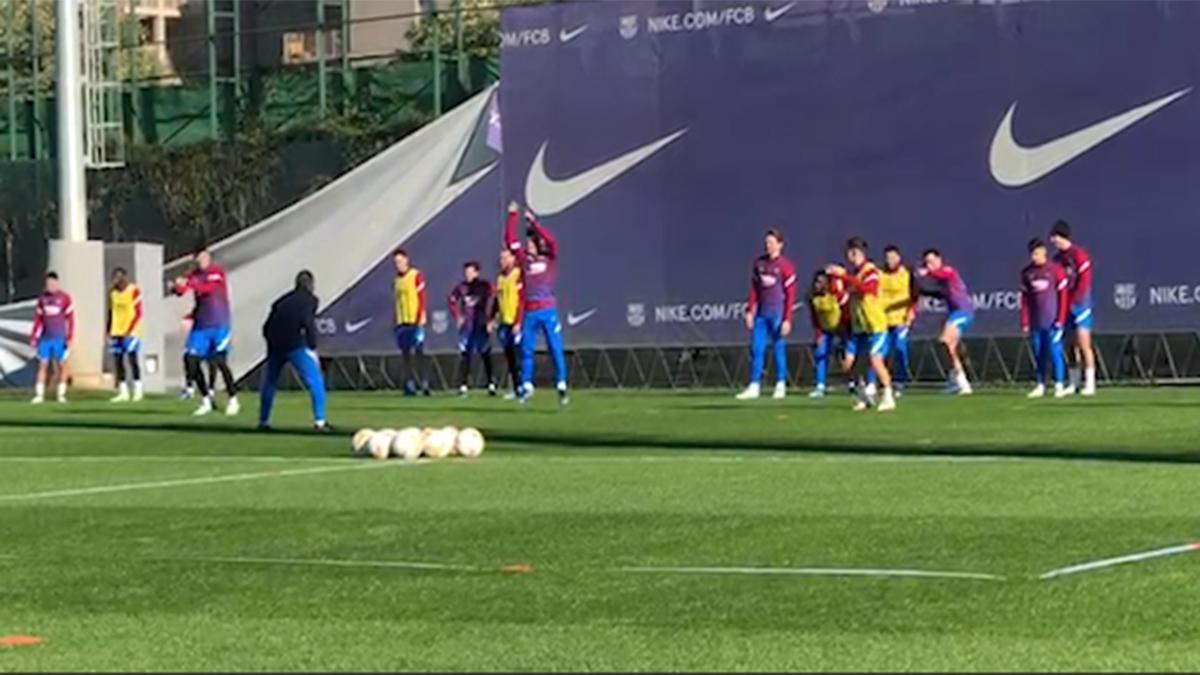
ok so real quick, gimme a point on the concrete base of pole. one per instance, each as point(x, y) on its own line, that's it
point(144, 263)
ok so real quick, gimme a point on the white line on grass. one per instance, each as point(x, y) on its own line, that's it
point(816, 571)
point(1121, 560)
point(660, 459)
point(329, 562)
point(790, 457)
point(70, 459)
point(183, 482)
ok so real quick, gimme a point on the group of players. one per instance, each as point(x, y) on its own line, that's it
point(860, 314)
point(520, 306)
point(209, 333)
point(864, 314)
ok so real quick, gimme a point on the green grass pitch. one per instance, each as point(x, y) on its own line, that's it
point(137, 538)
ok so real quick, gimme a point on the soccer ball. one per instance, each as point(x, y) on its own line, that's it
point(469, 443)
point(360, 442)
point(450, 437)
point(407, 444)
point(380, 445)
point(437, 443)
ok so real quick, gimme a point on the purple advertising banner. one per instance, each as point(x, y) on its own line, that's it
point(660, 140)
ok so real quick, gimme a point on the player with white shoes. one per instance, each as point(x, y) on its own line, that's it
point(212, 330)
point(899, 302)
point(124, 335)
point(1044, 307)
point(1077, 265)
point(538, 259)
point(868, 322)
point(937, 279)
point(769, 315)
point(52, 335)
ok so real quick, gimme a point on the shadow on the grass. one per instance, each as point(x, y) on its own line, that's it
point(816, 446)
point(626, 441)
point(198, 427)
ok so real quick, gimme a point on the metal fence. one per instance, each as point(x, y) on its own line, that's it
point(1142, 359)
point(190, 71)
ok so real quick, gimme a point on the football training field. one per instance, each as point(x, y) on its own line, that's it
point(631, 531)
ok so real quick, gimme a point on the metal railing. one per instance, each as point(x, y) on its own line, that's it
point(1135, 359)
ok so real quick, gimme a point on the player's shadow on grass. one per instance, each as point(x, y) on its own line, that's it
point(442, 408)
point(195, 427)
point(1080, 404)
point(814, 446)
point(147, 412)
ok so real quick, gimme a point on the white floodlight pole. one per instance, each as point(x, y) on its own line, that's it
point(72, 185)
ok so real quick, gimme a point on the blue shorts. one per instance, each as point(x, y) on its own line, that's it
point(1080, 317)
point(474, 340)
point(409, 337)
point(206, 343)
point(874, 344)
point(508, 336)
point(961, 320)
point(52, 349)
point(128, 344)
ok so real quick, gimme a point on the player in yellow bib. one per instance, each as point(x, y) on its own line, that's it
point(125, 335)
point(868, 321)
point(409, 290)
point(506, 316)
point(831, 326)
point(899, 303)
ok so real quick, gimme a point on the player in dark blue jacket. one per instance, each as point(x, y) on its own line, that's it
point(291, 335)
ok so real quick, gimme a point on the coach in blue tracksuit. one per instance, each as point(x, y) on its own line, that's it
point(291, 336)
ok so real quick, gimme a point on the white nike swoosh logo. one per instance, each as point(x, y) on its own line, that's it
point(568, 35)
point(574, 319)
point(1015, 166)
point(774, 13)
point(547, 196)
point(353, 327)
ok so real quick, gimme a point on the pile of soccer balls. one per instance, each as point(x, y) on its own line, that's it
point(413, 443)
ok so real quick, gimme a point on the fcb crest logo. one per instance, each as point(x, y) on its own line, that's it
point(1125, 296)
point(635, 314)
point(441, 321)
point(629, 26)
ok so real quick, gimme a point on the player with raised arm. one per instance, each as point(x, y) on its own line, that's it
point(937, 279)
point(538, 260)
point(124, 335)
point(830, 327)
point(868, 322)
point(410, 295)
point(769, 315)
point(470, 304)
point(899, 302)
point(1044, 305)
point(1077, 265)
point(211, 336)
point(52, 335)
point(506, 316)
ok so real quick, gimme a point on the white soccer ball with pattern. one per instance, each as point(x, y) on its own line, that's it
point(439, 443)
point(360, 442)
point(408, 443)
point(469, 443)
point(381, 443)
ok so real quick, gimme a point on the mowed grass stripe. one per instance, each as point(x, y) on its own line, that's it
point(184, 482)
point(615, 480)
